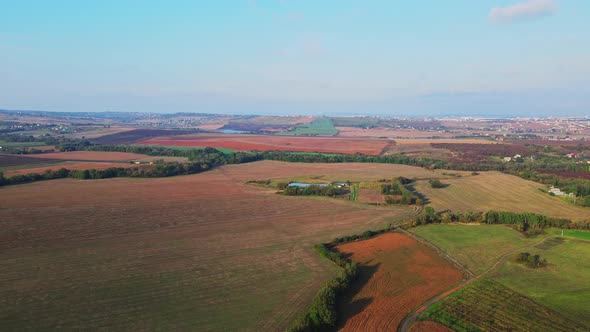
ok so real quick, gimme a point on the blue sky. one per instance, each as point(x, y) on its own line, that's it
point(401, 58)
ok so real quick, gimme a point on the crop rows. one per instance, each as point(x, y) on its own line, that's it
point(487, 305)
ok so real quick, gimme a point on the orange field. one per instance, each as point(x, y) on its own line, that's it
point(282, 143)
point(397, 274)
point(90, 156)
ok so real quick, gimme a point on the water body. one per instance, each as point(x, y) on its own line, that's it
point(231, 131)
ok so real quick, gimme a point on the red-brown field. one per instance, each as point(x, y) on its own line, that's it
point(67, 165)
point(371, 196)
point(426, 326)
point(397, 273)
point(282, 143)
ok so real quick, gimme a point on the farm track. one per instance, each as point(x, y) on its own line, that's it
point(411, 318)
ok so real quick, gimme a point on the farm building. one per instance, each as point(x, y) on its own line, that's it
point(303, 185)
point(558, 192)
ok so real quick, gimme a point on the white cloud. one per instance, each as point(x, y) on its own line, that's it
point(523, 10)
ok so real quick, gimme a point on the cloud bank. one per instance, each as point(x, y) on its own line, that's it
point(523, 10)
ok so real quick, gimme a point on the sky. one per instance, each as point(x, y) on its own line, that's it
point(344, 57)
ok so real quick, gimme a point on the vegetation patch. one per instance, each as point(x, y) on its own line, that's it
point(532, 261)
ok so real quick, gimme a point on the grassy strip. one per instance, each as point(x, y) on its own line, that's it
point(583, 235)
point(321, 314)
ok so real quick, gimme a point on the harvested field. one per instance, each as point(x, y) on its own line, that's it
point(67, 165)
point(136, 135)
point(10, 160)
point(269, 143)
point(362, 132)
point(397, 273)
point(98, 132)
point(371, 196)
point(91, 156)
point(203, 250)
point(498, 191)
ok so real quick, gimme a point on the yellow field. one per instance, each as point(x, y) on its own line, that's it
point(498, 191)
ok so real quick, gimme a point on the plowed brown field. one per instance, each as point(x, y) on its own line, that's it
point(429, 327)
point(204, 251)
point(397, 273)
point(282, 143)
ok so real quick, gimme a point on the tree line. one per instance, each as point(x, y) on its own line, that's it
point(525, 221)
point(200, 161)
point(321, 314)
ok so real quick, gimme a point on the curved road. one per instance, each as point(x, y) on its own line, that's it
point(411, 317)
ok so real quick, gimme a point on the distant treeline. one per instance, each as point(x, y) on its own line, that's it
point(524, 221)
point(528, 171)
point(201, 160)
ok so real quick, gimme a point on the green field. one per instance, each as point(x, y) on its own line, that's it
point(563, 285)
point(487, 305)
point(320, 126)
point(583, 235)
point(477, 247)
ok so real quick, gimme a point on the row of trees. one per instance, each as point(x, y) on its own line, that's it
point(321, 315)
point(525, 221)
point(312, 191)
point(157, 170)
point(200, 160)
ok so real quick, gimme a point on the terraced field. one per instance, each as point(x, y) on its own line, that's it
point(487, 305)
point(498, 191)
